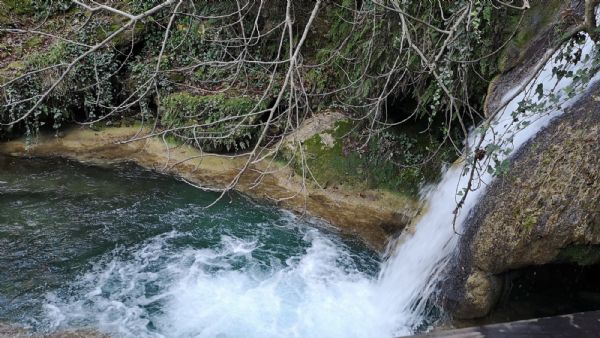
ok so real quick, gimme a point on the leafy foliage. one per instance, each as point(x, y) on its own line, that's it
point(207, 121)
point(85, 90)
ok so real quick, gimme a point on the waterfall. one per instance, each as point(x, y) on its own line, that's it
point(240, 287)
point(409, 277)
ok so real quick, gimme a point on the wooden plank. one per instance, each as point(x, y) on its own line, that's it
point(577, 325)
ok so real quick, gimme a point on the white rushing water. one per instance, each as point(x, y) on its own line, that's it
point(312, 295)
point(409, 277)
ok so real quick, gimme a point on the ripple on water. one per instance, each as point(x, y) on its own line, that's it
point(133, 253)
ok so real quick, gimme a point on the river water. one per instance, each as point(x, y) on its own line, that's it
point(134, 253)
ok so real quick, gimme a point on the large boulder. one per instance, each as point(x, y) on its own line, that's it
point(545, 210)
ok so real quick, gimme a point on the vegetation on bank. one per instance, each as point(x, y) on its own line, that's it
point(224, 78)
point(390, 160)
point(183, 111)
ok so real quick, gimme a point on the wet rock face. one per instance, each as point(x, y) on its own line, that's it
point(481, 293)
point(548, 202)
point(545, 210)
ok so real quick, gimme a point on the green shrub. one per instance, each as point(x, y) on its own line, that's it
point(84, 90)
point(199, 120)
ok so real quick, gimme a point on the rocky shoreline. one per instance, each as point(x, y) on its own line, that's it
point(373, 215)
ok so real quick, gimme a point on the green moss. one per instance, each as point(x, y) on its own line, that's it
point(13, 69)
point(541, 16)
point(328, 164)
point(191, 112)
point(37, 8)
point(580, 254)
point(58, 53)
point(173, 141)
point(345, 161)
point(16, 65)
point(122, 40)
point(529, 221)
point(34, 42)
point(4, 17)
point(19, 7)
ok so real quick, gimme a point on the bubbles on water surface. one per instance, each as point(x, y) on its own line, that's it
point(150, 261)
point(158, 289)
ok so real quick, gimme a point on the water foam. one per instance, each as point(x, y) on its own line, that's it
point(223, 291)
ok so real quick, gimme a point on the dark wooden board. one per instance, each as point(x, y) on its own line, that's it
point(577, 325)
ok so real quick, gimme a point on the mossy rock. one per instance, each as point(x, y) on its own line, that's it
point(13, 69)
point(339, 156)
point(580, 254)
point(210, 121)
point(542, 15)
point(33, 42)
point(326, 159)
point(19, 7)
point(16, 66)
point(4, 17)
point(56, 54)
point(125, 39)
